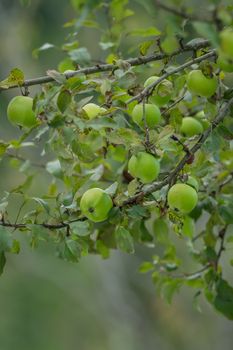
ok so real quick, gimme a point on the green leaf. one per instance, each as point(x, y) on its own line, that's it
point(63, 100)
point(225, 132)
point(223, 300)
point(16, 77)
point(3, 207)
point(5, 240)
point(72, 251)
point(106, 45)
point(83, 151)
point(111, 190)
point(54, 168)
point(57, 76)
point(146, 267)
point(144, 47)
point(125, 137)
point(102, 249)
point(161, 231)
point(43, 203)
point(80, 228)
point(151, 31)
point(24, 186)
point(81, 56)
point(7, 243)
point(188, 228)
point(44, 47)
point(144, 233)
point(124, 240)
point(38, 234)
point(226, 212)
point(137, 211)
point(3, 147)
point(169, 288)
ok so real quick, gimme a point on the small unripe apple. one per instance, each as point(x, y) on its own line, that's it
point(20, 112)
point(92, 110)
point(201, 117)
point(182, 197)
point(201, 85)
point(144, 166)
point(225, 62)
point(152, 115)
point(191, 126)
point(95, 204)
point(226, 41)
point(162, 93)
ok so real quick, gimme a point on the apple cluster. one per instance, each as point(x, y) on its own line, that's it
point(95, 203)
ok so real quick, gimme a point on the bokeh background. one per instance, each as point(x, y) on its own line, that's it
point(97, 304)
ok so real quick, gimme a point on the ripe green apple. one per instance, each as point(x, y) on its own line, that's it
point(162, 93)
point(144, 166)
point(225, 62)
point(201, 85)
point(182, 197)
point(92, 110)
point(226, 41)
point(95, 204)
point(20, 112)
point(191, 126)
point(152, 115)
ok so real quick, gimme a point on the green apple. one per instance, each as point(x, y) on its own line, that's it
point(225, 62)
point(191, 126)
point(92, 110)
point(20, 112)
point(201, 85)
point(226, 41)
point(95, 204)
point(182, 197)
point(152, 115)
point(201, 117)
point(144, 166)
point(162, 93)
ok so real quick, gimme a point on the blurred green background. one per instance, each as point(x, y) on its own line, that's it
point(49, 304)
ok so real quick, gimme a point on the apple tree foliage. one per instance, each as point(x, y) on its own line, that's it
point(160, 97)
